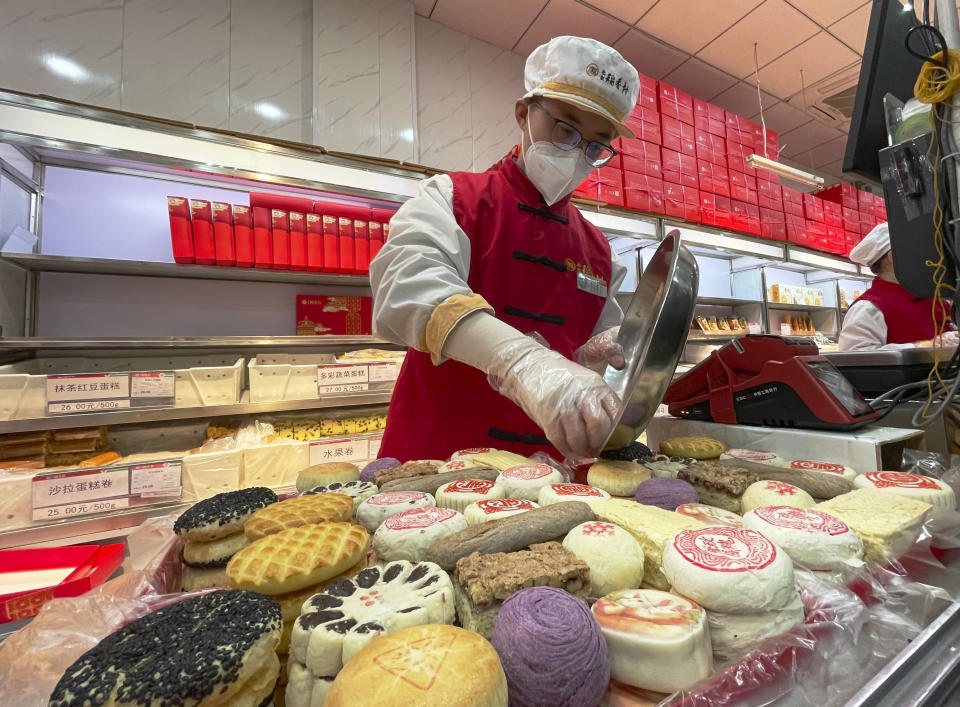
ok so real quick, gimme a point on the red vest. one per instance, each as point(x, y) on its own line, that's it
point(908, 317)
point(524, 258)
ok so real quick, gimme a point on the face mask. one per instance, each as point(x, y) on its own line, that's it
point(554, 172)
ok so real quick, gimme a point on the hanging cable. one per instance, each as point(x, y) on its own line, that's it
point(763, 123)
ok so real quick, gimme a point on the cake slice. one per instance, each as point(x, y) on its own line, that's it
point(482, 582)
point(718, 484)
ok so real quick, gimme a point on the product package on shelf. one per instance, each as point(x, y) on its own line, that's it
point(711, 148)
point(743, 187)
point(769, 195)
point(643, 193)
point(243, 235)
point(204, 251)
point(681, 169)
point(796, 229)
point(329, 225)
point(674, 103)
point(713, 178)
point(647, 95)
point(280, 229)
point(604, 185)
point(375, 233)
point(361, 245)
point(314, 223)
point(709, 118)
point(345, 215)
point(641, 157)
point(223, 241)
point(773, 224)
point(678, 136)
point(745, 217)
point(741, 130)
point(280, 201)
point(298, 241)
point(181, 230)
point(681, 202)
point(792, 202)
point(333, 314)
point(645, 124)
point(262, 238)
point(737, 154)
point(816, 235)
point(813, 208)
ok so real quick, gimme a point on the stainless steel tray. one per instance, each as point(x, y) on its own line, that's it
point(652, 335)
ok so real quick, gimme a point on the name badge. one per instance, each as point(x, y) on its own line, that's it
point(593, 285)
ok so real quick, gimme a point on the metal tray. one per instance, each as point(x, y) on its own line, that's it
point(653, 333)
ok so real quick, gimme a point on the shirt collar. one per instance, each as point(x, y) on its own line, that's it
point(525, 189)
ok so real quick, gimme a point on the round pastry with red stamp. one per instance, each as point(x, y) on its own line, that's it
point(376, 509)
point(774, 493)
point(526, 480)
point(407, 535)
point(823, 467)
point(614, 556)
point(711, 515)
point(754, 455)
point(732, 570)
point(458, 465)
point(813, 539)
point(492, 509)
point(917, 486)
point(461, 493)
point(557, 493)
point(467, 455)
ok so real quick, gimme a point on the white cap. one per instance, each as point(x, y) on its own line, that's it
point(874, 246)
point(587, 74)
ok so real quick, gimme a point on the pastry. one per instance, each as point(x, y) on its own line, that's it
point(718, 484)
point(326, 474)
point(812, 538)
point(468, 454)
point(405, 471)
point(407, 535)
point(651, 527)
point(168, 657)
point(222, 515)
point(526, 480)
point(297, 558)
point(621, 437)
point(294, 512)
point(733, 635)
point(815, 483)
point(657, 640)
point(663, 467)
point(551, 649)
point(557, 493)
point(193, 579)
point(633, 452)
point(732, 570)
point(693, 447)
point(755, 456)
point(615, 558)
point(366, 474)
point(500, 460)
point(459, 465)
point(618, 478)
point(887, 523)
point(303, 688)
point(348, 614)
point(482, 511)
point(915, 486)
point(460, 494)
point(423, 666)
point(292, 603)
point(214, 553)
point(359, 491)
point(482, 582)
point(376, 509)
point(431, 482)
point(824, 467)
point(665, 493)
point(774, 493)
point(710, 515)
point(509, 534)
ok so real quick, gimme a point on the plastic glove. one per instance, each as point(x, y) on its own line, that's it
point(949, 339)
point(571, 404)
point(602, 350)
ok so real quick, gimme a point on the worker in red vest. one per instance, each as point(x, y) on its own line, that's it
point(503, 291)
point(888, 316)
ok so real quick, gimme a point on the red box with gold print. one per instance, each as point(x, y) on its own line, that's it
point(647, 96)
point(675, 103)
point(243, 235)
point(298, 241)
point(204, 251)
point(677, 135)
point(713, 178)
point(377, 239)
point(280, 227)
point(361, 246)
point(314, 242)
point(262, 238)
point(681, 202)
point(642, 192)
point(642, 158)
point(375, 232)
point(181, 231)
point(711, 148)
point(709, 118)
point(333, 315)
point(604, 185)
point(331, 235)
point(680, 169)
point(223, 234)
point(645, 124)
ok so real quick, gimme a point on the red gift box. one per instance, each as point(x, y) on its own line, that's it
point(713, 178)
point(298, 241)
point(243, 235)
point(681, 202)
point(708, 208)
point(816, 235)
point(314, 242)
point(836, 240)
point(331, 235)
point(204, 251)
point(379, 235)
point(603, 185)
point(262, 238)
point(709, 118)
point(743, 187)
point(711, 148)
point(642, 157)
point(643, 192)
point(223, 244)
point(724, 211)
point(772, 146)
point(361, 246)
point(647, 97)
point(812, 208)
point(680, 169)
point(770, 196)
point(329, 315)
point(865, 200)
point(867, 222)
point(280, 201)
point(773, 224)
point(737, 154)
point(181, 230)
point(645, 124)
point(796, 229)
point(746, 217)
point(675, 103)
point(280, 225)
point(375, 232)
point(678, 136)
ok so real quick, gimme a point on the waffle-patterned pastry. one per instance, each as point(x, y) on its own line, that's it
point(302, 510)
point(214, 649)
point(298, 558)
point(693, 447)
point(222, 515)
point(349, 613)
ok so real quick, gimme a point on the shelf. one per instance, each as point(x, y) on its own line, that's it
point(128, 417)
point(725, 302)
point(719, 338)
point(106, 266)
point(800, 307)
point(259, 343)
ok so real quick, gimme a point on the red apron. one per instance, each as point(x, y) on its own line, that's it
point(908, 317)
point(524, 261)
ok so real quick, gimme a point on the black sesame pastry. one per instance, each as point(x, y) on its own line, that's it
point(222, 515)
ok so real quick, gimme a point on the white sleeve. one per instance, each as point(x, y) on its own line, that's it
point(612, 314)
point(425, 261)
point(865, 329)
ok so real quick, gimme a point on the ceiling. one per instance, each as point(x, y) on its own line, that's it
point(704, 47)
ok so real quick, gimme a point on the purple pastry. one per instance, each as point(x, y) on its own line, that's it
point(666, 493)
point(551, 650)
point(377, 465)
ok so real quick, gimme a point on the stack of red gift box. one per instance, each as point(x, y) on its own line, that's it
point(279, 233)
point(689, 161)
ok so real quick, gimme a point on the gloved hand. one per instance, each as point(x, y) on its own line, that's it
point(602, 350)
point(949, 339)
point(570, 403)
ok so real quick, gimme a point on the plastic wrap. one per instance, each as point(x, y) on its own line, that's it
point(600, 351)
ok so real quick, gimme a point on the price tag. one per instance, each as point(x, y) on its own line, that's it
point(87, 392)
point(79, 509)
point(373, 445)
point(153, 388)
point(346, 378)
point(383, 372)
point(784, 329)
point(339, 450)
point(160, 479)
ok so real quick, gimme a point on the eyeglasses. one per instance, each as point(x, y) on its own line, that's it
point(567, 137)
